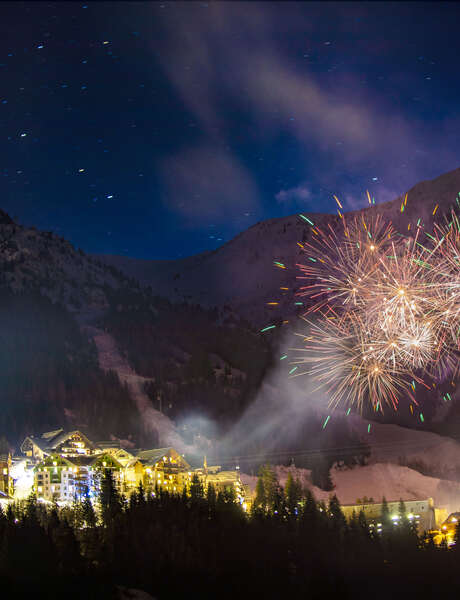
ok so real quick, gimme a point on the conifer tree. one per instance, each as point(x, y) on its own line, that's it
point(293, 494)
point(196, 488)
point(109, 498)
point(337, 521)
point(88, 514)
point(273, 492)
point(260, 503)
point(387, 524)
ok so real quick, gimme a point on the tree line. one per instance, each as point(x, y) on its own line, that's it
point(202, 544)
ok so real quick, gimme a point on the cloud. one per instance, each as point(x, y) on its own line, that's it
point(298, 194)
point(207, 183)
point(229, 55)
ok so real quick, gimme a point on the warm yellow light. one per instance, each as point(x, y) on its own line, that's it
point(401, 292)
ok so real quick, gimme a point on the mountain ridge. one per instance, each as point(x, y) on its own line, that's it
point(240, 273)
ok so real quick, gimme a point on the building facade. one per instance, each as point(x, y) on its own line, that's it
point(67, 466)
point(422, 512)
point(6, 479)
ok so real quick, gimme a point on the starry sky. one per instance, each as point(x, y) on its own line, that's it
point(159, 130)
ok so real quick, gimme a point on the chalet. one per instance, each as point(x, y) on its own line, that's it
point(224, 480)
point(63, 479)
point(70, 443)
point(164, 468)
point(67, 466)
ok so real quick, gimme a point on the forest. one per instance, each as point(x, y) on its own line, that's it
point(202, 544)
point(50, 376)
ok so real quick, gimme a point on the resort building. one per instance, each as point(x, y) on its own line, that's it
point(66, 466)
point(71, 443)
point(422, 512)
point(164, 468)
point(6, 479)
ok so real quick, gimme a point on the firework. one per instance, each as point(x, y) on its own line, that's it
point(340, 265)
point(342, 358)
point(386, 308)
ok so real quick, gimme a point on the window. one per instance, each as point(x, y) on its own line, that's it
point(5, 471)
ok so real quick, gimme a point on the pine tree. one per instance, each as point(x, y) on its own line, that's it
point(407, 533)
point(88, 514)
point(196, 488)
point(273, 492)
point(387, 524)
point(337, 521)
point(109, 499)
point(293, 494)
point(260, 503)
point(211, 496)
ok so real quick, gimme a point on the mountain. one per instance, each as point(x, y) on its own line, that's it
point(85, 344)
point(241, 275)
point(84, 347)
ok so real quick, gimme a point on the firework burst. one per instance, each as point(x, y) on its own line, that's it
point(386, 308)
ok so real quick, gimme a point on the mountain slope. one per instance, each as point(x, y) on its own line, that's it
point(241, 275)
point(83, 346)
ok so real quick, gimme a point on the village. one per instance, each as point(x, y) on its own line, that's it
point(65, 466)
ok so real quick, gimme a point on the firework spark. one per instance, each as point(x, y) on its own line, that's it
point(386, 309)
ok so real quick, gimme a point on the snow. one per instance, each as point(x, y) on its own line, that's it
point(376, 481)
point(241, 273)
point(132, 594)
point(110, 359)
point(392, 443)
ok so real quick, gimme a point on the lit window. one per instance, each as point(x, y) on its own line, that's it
point(5, 471)
point(40, 489)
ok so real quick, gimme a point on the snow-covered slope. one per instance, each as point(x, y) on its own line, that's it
point(429, 452)
point(241, 273)
point(110, 359)
point(43, 262)
point(376, 481)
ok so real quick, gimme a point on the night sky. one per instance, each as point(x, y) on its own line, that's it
point(159, 130)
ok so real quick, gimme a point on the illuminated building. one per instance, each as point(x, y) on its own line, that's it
point(71, 443)
point(66, 466)
point(421, 512)
point(222, 480)
point(448, 529)
point(6, 479)
point(62, 479)
point(164, 468)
